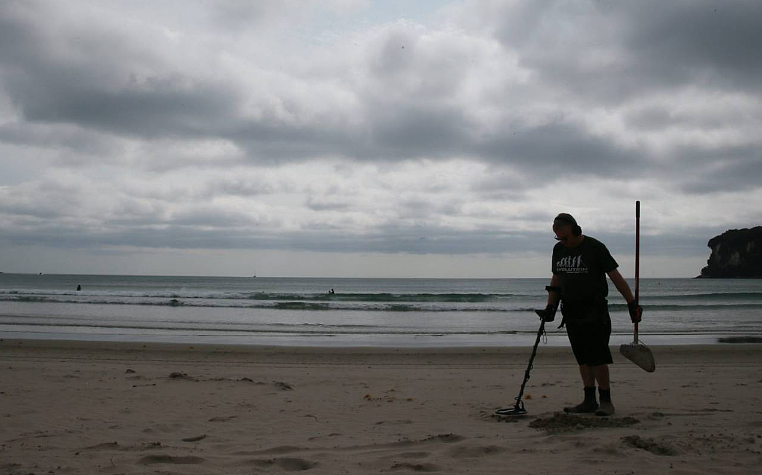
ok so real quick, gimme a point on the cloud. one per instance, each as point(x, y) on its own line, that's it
point(255, 125)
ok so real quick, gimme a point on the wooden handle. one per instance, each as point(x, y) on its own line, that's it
point(637, 261)
point(637, 252)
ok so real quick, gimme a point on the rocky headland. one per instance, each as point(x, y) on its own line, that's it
point(735, 253)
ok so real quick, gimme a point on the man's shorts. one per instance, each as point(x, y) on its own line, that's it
point(589, 338)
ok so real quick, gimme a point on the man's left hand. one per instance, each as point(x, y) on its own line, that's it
point(636, 311)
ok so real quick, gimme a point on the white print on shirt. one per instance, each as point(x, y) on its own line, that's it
point(571, 265)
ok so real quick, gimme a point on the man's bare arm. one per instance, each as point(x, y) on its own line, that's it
point(621, 285)
point(636, 312)
point(554, 297)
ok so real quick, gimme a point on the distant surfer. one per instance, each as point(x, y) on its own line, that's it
point(331, 291)
point(79, 287)
point(580, 266)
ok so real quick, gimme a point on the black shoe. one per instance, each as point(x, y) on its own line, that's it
point(606, 409)
point(582, 408)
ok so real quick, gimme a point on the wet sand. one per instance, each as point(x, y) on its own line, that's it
point(83, 407)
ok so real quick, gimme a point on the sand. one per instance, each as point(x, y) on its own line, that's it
point(79, 407)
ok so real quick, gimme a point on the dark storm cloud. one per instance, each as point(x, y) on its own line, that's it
point(162, 106)
point(88, 78)
point(152, 110)
point(388, 239)
point(71, 138)
point(392, 240)
point(549, 146)
point(418, 130)
point(727, 173)
point(78, 82)
point(687, 40)
point(699, 170)
point(616, 51)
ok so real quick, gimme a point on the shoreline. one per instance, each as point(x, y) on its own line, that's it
point(514, 355)
point(519, 339)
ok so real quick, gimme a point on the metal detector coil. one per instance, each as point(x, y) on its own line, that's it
point(518, 408)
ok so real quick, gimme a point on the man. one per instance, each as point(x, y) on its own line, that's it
point(580, 266)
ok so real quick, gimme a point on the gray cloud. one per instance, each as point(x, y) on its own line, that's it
point(121, 85)
point(727, 173)
point(617, 50)
point(224, 128)
point(690, 40)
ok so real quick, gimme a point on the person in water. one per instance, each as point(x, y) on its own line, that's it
point(580, 265)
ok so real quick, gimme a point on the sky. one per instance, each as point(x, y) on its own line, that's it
point(361, 138)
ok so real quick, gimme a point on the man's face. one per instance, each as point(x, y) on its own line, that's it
point(565, 235)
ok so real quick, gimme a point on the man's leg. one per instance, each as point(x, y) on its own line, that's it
point(601, 374)
point(588, 379)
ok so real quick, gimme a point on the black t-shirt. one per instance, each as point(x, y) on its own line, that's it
point(582, 270)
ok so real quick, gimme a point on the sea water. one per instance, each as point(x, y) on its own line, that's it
point(360, 312)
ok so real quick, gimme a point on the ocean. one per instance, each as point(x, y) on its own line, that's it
point(361, 312)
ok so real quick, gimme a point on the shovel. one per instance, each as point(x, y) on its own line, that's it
point(639, 353)
point(636, 351)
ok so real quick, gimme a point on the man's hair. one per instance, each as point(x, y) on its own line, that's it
point(565, 219)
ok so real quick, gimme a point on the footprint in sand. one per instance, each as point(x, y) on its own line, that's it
point(156, 459)
point(177, 375)
point(649, 445)
point(412, 455)
point(286, 464)
point(475, 451)
point(103, 446)
point(283, 386)
point(416, 467)
point(164, 428)
point(222, 419)
point(446, 438)
point(570, 422)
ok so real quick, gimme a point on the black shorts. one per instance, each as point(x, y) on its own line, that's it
point(589, 337)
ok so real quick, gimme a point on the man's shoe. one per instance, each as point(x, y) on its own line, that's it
point(583, 408)
point(606, 409)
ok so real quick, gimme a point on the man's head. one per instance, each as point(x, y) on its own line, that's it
point(567, 230)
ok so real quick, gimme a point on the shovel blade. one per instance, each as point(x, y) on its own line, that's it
point(639, 354)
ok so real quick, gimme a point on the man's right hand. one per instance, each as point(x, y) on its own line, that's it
point(548, 314)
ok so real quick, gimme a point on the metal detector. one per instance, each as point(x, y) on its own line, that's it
point(518, 408)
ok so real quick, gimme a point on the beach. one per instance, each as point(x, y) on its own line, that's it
point(124, 408)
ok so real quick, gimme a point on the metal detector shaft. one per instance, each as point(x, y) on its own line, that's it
point(540, 332)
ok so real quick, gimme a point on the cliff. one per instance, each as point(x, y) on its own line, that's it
point(735, 253)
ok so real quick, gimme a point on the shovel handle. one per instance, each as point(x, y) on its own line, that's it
point(637, 251)
point(637, 261)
